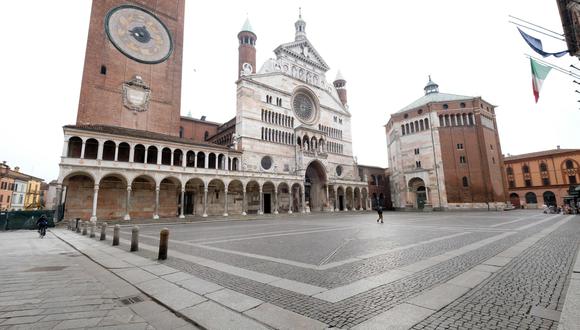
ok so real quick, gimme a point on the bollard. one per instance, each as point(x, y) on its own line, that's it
point(78, 229)
point(93, 227)
point(103, 231)
point(84, 225)
point(163, 243)
point(135, 239)
point(116, 232)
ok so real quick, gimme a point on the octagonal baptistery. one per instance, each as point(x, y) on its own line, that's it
point(444, 153)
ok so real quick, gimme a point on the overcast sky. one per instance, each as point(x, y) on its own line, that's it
point(385, 50)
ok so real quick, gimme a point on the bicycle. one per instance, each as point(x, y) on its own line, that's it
point(42, 231)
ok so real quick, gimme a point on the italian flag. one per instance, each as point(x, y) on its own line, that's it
point(539, 74)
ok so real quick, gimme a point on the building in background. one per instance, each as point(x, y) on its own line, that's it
point(288, 147)
point(6, 187)
point(378, 185)
point(32, 200)
point(542, 178)
point(444, 153)
point(18, 191)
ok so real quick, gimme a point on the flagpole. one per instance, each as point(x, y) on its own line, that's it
point(529, 28)
point(555, 67)
point(538, 26)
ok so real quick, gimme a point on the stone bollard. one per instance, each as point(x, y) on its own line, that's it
point(116, 232)
point(163, 243)
point(93, 227)
point(84, 228)
point(135, 239)
point(103, 231)
point(77, 227)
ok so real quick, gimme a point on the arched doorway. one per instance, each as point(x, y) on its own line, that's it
point(314, 186)
point(515, 199)
point(417, 188)
point(112, 199)
point(79, 195)
point(341, 205)
point(531, 198)
point(549, 198)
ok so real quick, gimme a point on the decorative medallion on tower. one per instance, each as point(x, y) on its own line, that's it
point(138, 34)
point(136, 94)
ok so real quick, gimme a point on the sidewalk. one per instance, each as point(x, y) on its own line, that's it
point(46, 284)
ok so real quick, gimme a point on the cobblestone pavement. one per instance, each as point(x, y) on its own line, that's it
point(336, 252)
point(46, 284)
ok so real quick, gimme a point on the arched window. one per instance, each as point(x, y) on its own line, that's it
point(525, 169)
point(403, 129)
point(177, 157)
point(109, 150)
point(543, 167)
point(206, 135)
point(152, 155)
point(509, 170)
point(139, 154)
point(569, 164)
point(166, 156)
point(75, 145)
point(470, 116)
point(465, 182)
point(91, 149)
point(124, 152)
point(200, 160)
point(211, 161)
point(426, 123)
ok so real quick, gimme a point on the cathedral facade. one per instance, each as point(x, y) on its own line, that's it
point(444, 154)
point(131, 154)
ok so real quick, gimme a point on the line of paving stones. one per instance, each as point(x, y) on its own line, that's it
point(538, 277)
point(358, 308)
point(337, 276)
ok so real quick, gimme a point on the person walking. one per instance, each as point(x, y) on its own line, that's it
point(380, 212)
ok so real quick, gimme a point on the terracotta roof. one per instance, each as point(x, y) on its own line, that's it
point(145, 135)
point(540, 154)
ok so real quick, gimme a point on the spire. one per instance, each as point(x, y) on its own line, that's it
point(300, 26)
point(431, 87)
point(247, 26)
point(339, 76)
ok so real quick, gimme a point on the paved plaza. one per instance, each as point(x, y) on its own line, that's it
point(472, 270)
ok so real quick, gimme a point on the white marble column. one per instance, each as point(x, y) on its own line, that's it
point(261, 210)
point(172, 154)
point(95, 199)
point(100, 151)
point(226, 202)
point(65, 149)
point(244, 201)
point(131, 153)
point(184, 159)
point(156, 214)
point(335, 199)
point(182, 208)
point(116, 152)
point(291, 201)
point(204, 202)
point(83, 150)
point(159, 153)
point(275, 201)
point(303, 198)
point(327, 197)
point(128, 204)
point(146, 151)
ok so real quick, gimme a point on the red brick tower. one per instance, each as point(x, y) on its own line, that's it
point(132, 72)
point(340, 85)
point(247, 50)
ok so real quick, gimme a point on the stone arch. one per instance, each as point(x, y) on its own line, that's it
point(315, 181)
point(169, 197)
point(341, 202)
point(91, 148)
point(531, 198)
point(549, 198)
point(152, 155)
point(177, 157)
point(221, 161)
point(365, 197)
point(193, 196)
point(109, 150)
point(283, 197)
point(200, 159)
point(74, 147)
point(357, 199)
point(112, 198)
point(79, 194)
point(252, 197)
point(235, 164)
point(235, 197)
point(166, 156)
point(515, 200)
point(142, 197)
point(211, 160)
point(296, 197)
point(215, 197)
point(190, 159)
point(418, 194)
point(349, 198)
point(124, 151)
point(139, 154)
point(268, 190)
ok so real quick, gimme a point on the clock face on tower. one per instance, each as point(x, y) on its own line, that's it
point(138, 34)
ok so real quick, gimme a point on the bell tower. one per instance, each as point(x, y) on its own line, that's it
point(340, 85)
point(247, 50)
point(132, 69)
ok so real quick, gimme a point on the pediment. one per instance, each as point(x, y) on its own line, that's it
point(304, 51)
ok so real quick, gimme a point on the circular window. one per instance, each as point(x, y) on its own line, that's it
point(462, 104)
point(304, 107)
point(406, 116)
point(420, 111)
point(445, 106)
point(266, 162)
point(339, 170)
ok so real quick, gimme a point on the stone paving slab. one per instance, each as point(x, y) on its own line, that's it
point(234, 300)
point(283, 319)
point(439, 297)
point(400, 317)
point(470, 279)
point(211, 315)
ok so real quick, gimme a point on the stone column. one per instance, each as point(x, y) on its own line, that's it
point(360, 206)
point(291, 200)
point(217, 162)
point(204, 202)
point(65, 148)
point(83, 150)
point(182, 209)
point(261, 210)
point(58, 202)
point(146, 152)
point(184, 159)
point(194, 160)
point(128, 204)
point(100, 151)
point(116, 152)
point(95, 198)
point(303, 198)
point(327, 196)
point(275, 200)
point(226, 202)
point(244, 201)
point(156, 214)
point(159, 155)
point(335, 199)
point(171, 162)
point(131, 153)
